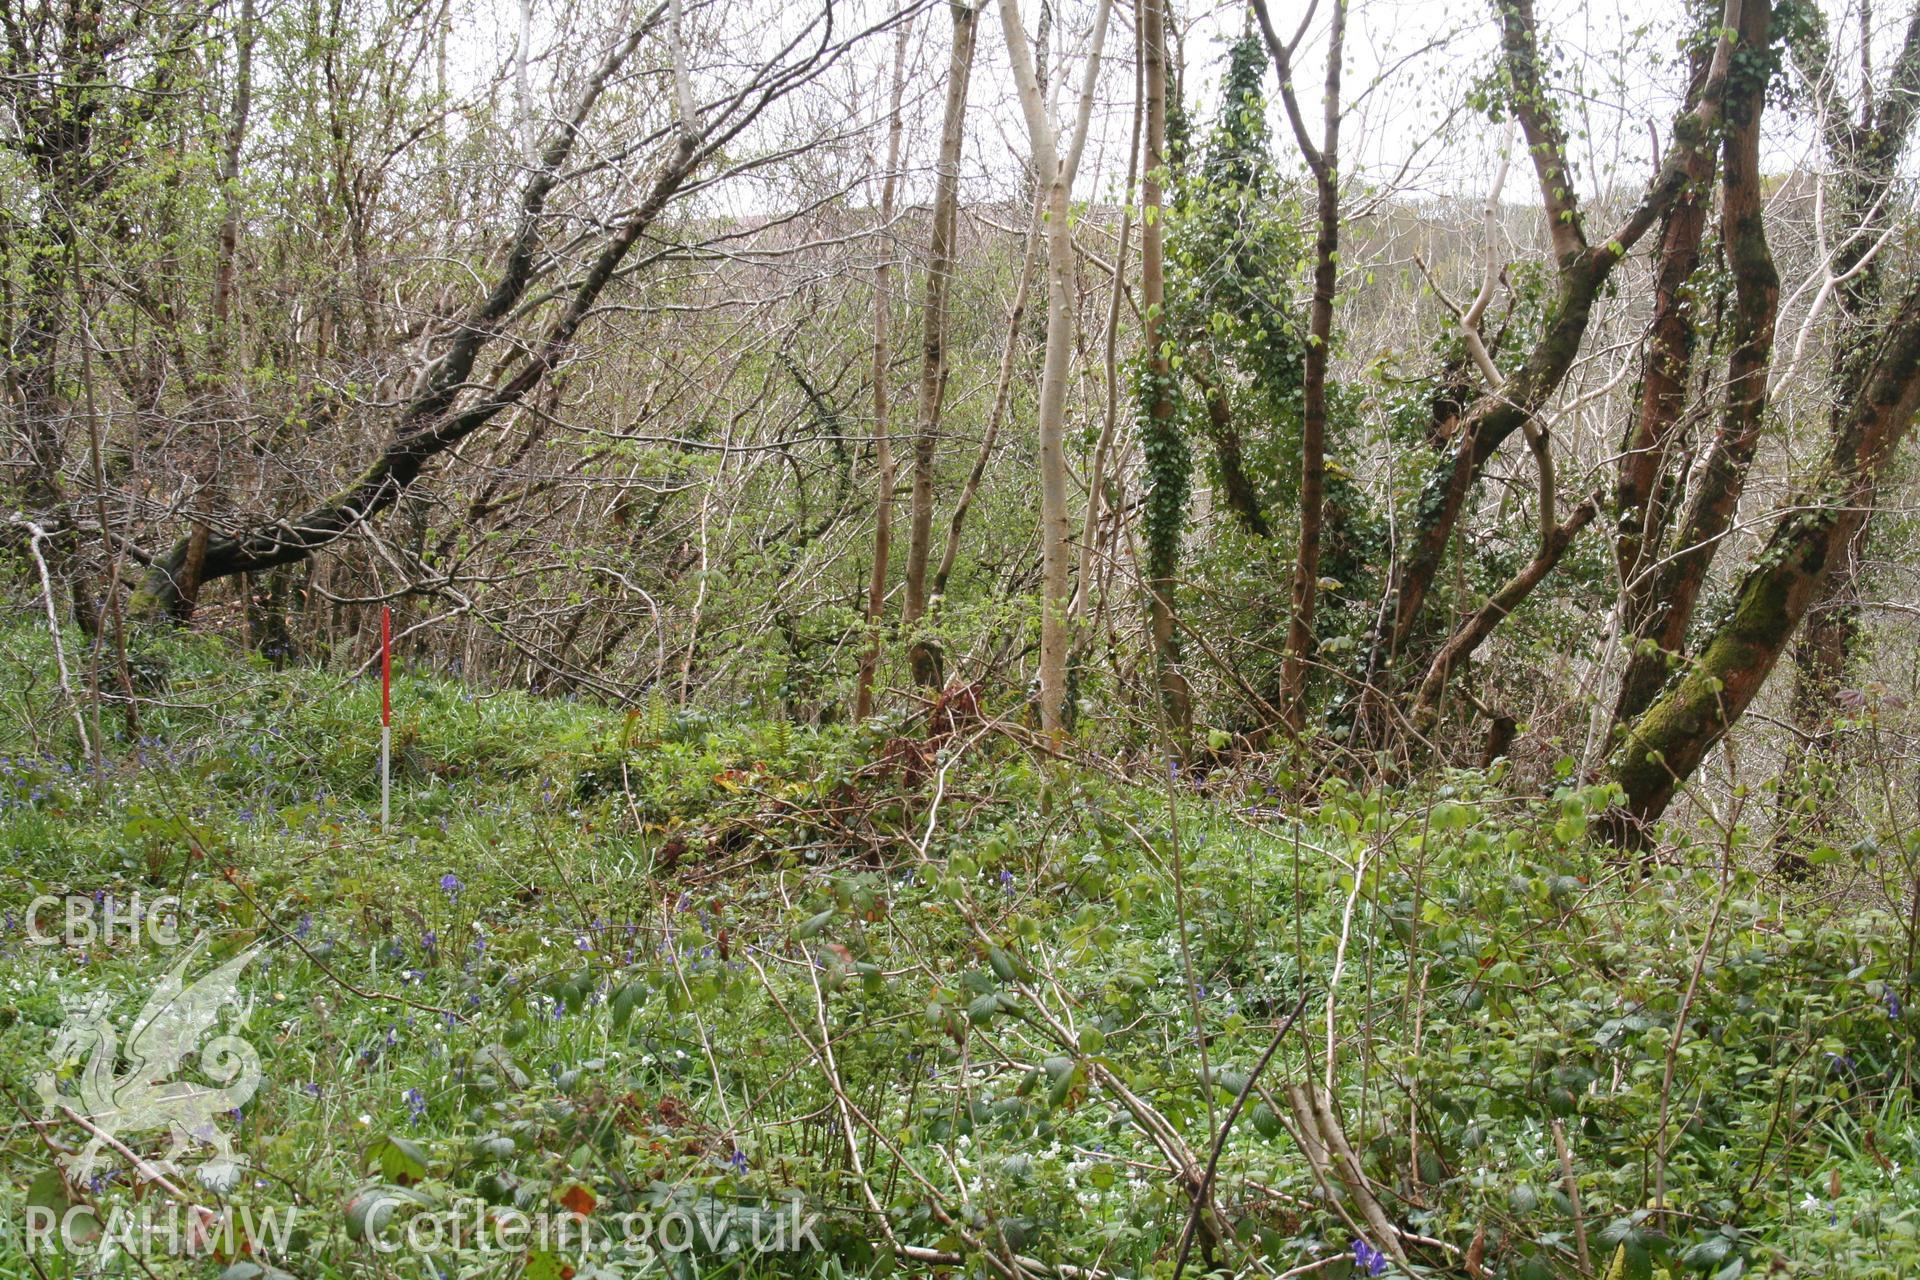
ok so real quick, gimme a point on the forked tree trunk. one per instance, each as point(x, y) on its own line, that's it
point(1469, 635)
point(1716, 497)
point(1583, 270)
point(1055, 169)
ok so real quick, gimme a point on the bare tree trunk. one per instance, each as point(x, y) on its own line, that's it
point(923, 657)
point(1324, 162)
point(1055, 169)
point(883, 478)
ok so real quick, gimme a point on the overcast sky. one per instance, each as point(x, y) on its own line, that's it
point(1408, 68)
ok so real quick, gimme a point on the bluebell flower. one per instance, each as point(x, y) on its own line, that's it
point(1368, 1260)
point(450, 885)
point(416, 1104)
point(738, 1160)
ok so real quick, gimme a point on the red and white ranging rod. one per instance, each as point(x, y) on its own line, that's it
point(386, 717)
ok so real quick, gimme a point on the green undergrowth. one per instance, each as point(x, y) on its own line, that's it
point(945, 1006)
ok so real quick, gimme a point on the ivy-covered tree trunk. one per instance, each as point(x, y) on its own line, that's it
point(1229, 454)
point(1168, 463)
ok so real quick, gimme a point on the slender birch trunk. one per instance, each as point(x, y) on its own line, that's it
point(1054, 170)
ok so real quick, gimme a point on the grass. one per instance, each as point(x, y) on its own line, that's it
point(653, 965)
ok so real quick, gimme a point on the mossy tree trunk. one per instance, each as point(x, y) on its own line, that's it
point(1864, 153)
point(1642, 488)
point(1808, 545)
